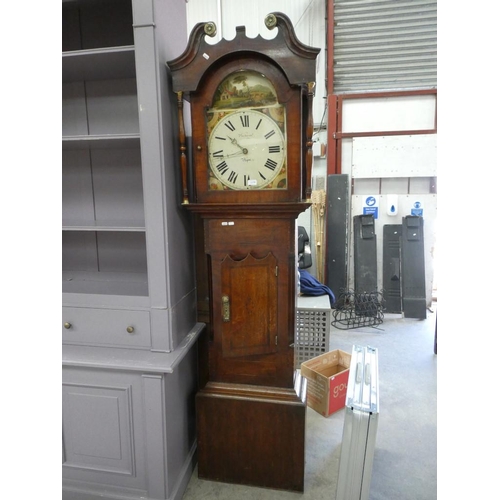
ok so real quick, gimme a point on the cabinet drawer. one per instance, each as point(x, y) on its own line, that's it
point(110, 327)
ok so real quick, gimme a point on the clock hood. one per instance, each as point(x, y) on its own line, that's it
point(200, 56)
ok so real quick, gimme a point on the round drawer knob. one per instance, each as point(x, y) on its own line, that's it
point(67, 326)
point(130, 329)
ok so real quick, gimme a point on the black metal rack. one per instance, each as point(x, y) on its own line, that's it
point(357, 309)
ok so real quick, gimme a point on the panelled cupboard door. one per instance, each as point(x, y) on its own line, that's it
point(249, 306)
point(103, 424)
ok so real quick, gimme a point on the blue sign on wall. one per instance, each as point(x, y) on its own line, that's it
point(371, 211)
point(370, 206)
point(417, 209)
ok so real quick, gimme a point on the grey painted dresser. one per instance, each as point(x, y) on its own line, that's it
point(129, 329)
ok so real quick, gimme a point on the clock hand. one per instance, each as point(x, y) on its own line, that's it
point(235, 142)
point(231, 155)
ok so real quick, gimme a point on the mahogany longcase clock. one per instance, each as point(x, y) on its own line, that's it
point(249, 179)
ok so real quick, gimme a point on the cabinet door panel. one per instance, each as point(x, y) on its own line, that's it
point(250, 325)
point(97, 428)
point(103, 423)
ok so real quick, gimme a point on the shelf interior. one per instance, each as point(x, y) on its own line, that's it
point(105, 283)
point(104, 262)
point(103, 232)
point(98, 64)
point(85, 24)
point(100, 108)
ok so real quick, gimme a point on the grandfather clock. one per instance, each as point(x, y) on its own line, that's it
point(250, 177)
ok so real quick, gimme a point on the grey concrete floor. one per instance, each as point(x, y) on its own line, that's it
point(405, 459)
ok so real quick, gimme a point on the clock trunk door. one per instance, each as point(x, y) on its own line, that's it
point(251, 287)
point(249, 312)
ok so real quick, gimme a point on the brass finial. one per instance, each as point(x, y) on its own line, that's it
point(210, 29)
point(270, 21)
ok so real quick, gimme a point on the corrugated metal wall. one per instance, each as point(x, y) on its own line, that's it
point(384, 45)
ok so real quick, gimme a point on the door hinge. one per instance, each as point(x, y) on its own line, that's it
point(276, 270)
point(276, 340)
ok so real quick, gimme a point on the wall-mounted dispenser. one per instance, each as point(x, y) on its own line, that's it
point(392, 204)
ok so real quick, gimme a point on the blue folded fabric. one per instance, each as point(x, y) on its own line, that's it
point(309, 285)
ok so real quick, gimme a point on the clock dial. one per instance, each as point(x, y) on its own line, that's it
point(247, 150)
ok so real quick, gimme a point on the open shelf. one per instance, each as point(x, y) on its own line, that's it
point(105, 283)
point(90, 24)
point(93, 225)
point(104, 262)
point(98, 64)
point(100, 108)
point(104, 141)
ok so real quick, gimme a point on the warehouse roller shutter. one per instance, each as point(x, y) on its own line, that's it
point(384, 45)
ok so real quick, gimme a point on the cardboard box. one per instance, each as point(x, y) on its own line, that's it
point(327, 377)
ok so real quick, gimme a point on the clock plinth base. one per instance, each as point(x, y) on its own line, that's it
point(252, 435)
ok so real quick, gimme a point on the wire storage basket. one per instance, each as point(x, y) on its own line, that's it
point(356, 309)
